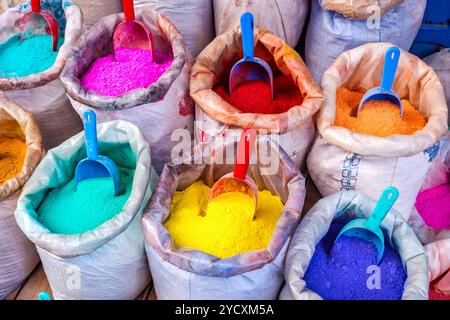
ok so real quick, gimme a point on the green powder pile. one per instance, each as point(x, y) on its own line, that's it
point(73, 209)
point(33, 55)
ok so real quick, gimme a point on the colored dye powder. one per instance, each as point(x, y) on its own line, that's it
point(377, 118)
point(433, 206)
point(342, 272)
point(12, 156)
point(74, 209)
point(256, 97)
point(128, 69)
point(224, 227)
point(33, 55)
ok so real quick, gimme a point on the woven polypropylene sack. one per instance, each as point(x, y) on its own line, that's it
point(183, 273)
point(42, 94)
point(285, 18)
point(343, 160)
point(215, 117)
point(360, 9)
point(18, 256)
point(93, 11)
point(343, 206)
point(194, 19)
point(107, 262)
point(329, 33)
point(157, 110)
point(437, 242)
point(440, 62)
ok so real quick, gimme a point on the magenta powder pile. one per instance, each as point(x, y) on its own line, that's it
point(128, 69)
point(434, 207)
point(340, 272)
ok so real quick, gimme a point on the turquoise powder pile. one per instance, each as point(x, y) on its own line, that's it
point(73, 209)
point(33, 55)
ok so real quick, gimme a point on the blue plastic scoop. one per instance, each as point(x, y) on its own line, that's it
point(250, 68)
point(385, 92)
point(95, 166)
point(369, 229)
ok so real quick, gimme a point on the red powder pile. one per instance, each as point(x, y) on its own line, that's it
point(255, 96)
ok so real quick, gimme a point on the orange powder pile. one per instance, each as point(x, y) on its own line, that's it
point(12, 156)
point(377, 118)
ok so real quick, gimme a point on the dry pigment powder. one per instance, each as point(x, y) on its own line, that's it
point(33, 55)
point(128, 69)
point(377, 118)
point(12, 156)
point(341, 272)
point(226, 226)
point(433, 206)
point(256, 96)
point(74, 209)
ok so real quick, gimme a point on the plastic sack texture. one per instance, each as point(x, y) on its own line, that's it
point(330, 33)
point(214, 116)
point(440, 62)
point(437, 242)
point(348, 205)
point(194, 19)
point(93, 11)
point(157, 110)
point(183, 273)
point(18, 255)
point(43, 94)
point(108, 262)
point(359, 9)
point(285, 18)
point(343, 160)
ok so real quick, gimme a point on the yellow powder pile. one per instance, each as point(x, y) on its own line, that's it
point(377, 118)
point(226, 226)
point(12, 156)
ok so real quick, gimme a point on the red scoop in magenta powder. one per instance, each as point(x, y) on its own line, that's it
point(433, 206)
point(256, 96)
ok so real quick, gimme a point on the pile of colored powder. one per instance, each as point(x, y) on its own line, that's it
point(224, 227)
point(74, 209)
point(433, 206)
point(128, 69)
point(377, 118)
point(256, 96)
point(12, 156)
point(341, 272)
point(33, 55)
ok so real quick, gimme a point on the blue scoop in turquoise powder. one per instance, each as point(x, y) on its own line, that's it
point(74, 209)
point(33, 55)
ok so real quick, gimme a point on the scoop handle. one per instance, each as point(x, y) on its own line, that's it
point(247, 36)
point(36, 6)
point(128, 9)
point(90, 131)
point(384, 205)
point(390, 68)
point(248, 137)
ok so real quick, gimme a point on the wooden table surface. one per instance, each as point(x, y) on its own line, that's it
point(37, 281)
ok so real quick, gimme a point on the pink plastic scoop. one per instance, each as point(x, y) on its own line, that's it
point(132, 33)
point(39, 22)
point(239, 181)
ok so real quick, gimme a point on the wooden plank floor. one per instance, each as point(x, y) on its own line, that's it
point(37, 281)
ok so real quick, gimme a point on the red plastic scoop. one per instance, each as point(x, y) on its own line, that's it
point(39, 22)
point(238, 181)
point(132, 33)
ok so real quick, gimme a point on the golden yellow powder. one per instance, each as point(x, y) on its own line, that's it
point(228, 227)
point(378, 118)
point(12, 156)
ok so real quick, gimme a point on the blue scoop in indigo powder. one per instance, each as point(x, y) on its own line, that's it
point(345, 271)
